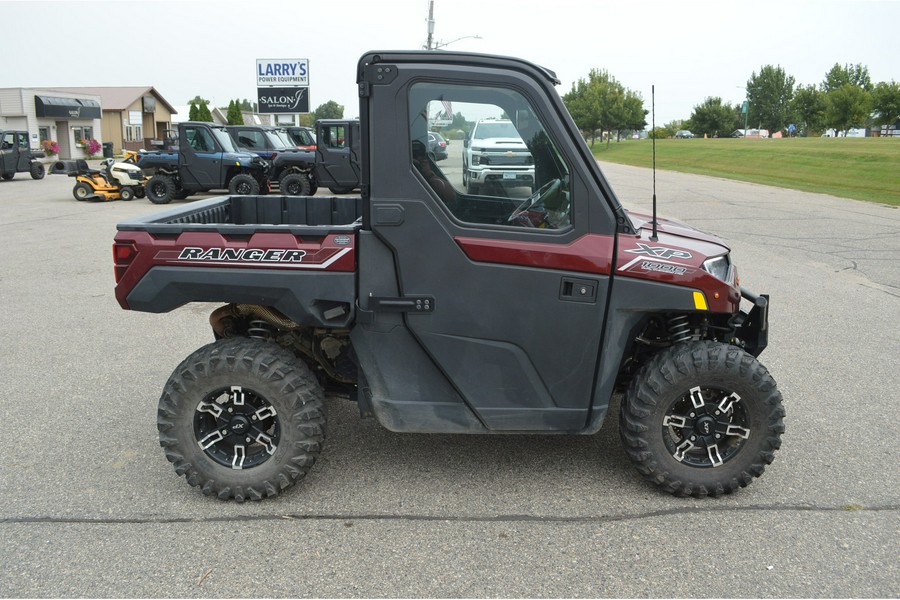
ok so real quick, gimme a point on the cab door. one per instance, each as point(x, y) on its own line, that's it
point(200, 158)
point(8, 153)
point(337, 161)
point(23, 159)
point(506, 290)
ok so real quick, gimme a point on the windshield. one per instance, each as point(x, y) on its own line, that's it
point(275, 140)
point(303, 137)
point(500, 129)
point(283, 138)
point(224, 139)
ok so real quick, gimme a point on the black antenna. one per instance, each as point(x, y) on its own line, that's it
point(653, 237)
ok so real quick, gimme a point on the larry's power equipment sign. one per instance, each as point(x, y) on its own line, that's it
point(282, 85)
point(282, 72)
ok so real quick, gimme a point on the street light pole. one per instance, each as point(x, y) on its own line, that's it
point(428, 43)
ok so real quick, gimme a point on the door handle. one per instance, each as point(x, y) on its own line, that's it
point(578, 290)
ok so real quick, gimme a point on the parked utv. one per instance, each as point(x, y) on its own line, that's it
point(442, 311)
point(16, 156)
point(292, 169)
point(206, 160)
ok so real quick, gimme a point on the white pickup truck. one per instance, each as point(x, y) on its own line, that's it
point(495, 154)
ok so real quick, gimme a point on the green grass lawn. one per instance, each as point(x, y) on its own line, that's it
point(860, 168)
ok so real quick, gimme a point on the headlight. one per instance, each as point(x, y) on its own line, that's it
point(718, 267)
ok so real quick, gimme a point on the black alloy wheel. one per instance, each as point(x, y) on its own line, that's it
point(242, 418)
point(702, 419)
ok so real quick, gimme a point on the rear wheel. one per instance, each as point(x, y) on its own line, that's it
point(8, 176)
point(242, 419)
point(37, 170)
point(126, 193)
point(295, 184)
point(160, 189)
point(702, 419)
point(82, 191)
point(243, 185)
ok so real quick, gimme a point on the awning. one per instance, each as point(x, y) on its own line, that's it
point(66, 108)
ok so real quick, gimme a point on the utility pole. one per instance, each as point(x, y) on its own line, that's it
point(429, 43)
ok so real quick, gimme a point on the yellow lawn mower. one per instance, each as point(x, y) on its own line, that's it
point(113, 181)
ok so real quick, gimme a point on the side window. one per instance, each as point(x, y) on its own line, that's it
point(23, 141)
point(333, 136)
point(504, 171)
point(199, 139)
point(8, 140)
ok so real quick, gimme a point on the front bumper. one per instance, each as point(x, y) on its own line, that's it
point(508, 178)
point(751, 328)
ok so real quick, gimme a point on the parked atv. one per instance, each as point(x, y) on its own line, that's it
point(206, 159)
point(16, 156)
point(291, 168)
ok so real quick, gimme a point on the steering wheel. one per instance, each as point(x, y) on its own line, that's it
point(537, 198)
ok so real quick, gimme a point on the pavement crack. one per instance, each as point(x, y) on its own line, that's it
point(501, 518)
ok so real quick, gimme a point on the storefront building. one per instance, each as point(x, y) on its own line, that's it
point(134, 118)
point(47, 114)
point(129, 118)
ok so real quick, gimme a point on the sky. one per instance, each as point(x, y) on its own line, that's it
point(689, 49)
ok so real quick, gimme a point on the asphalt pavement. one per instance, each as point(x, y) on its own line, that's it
point(89, 506)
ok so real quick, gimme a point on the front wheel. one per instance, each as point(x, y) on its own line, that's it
point(126, 193)
point(702, 419)
point(295, 184)
point(82, 191)
point(37, 170)
point(242, 419)
point(160, 189)
point(243, 185)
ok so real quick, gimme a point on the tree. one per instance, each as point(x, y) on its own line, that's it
point(770, 94)
point(600, 103)
point(846, 107)
point(712, 118)
point(329, 110)
point(886, 103)
point(204, 114)
point(856, 75)
point(584, 104)
point(234, 113)
point(202, 110)
point(248, 106)
point(808, 107)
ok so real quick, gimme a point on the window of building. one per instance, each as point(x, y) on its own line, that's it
point(83, 133)
point(506, 171)
point(44, 133)
point(134, 133)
